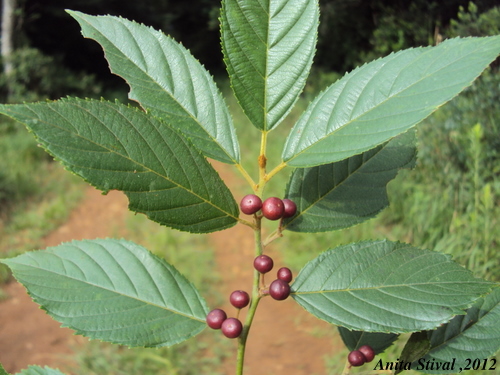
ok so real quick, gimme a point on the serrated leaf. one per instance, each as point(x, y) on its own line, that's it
point(347, 192)
point(112, 290)
point(268, 49)
point(378, 341)
point(117, 147)
point(466, 338)
point(383, 286)
point(167, 81)
point(384, 98)
point(37, 370)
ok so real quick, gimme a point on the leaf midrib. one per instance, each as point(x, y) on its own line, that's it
point(352, 120)
point(86, 282)
point(123, 57)
point(126, 156)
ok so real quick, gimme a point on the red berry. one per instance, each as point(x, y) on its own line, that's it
point(285, 274)
point(290, 208)
point(368, 352)
point(263, 263)
point(239, 299)
point(215, 318)
point(250, 204)
point(356, 358)
point(279, 290)
point(273, 208)
point(231, 328)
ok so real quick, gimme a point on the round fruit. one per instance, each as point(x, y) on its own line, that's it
point(239, 299)
point(263, 263)
point(368, 352)
point(215, 318)
point(273, 208)
point(285, 274)
point(279, 290)
point(250, 204)
point(290, 208)
point(356, 358)
point(231, 328)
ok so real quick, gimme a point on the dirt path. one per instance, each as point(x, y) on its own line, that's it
point(284, 338)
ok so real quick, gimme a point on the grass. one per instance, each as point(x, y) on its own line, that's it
point(36, 194)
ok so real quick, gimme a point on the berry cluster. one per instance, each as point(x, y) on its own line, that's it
point(361, 356)
point(230, 327)
point(272, 208)
point(279, 288)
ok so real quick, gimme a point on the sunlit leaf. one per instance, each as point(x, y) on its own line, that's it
point(113, 146)
point(384, 98)
point(382, 286)
point(268, 48)
point(167, 81)
point(112, 290)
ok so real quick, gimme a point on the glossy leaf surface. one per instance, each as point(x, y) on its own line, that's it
point(167, 81)
point(268, 48)
point(384, 98)
point(347, 192)
point(382, 286)
point(466, 338)
point(112, 290)
point(117, 147)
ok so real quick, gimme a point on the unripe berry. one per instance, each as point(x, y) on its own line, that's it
point(215, 318)
point(273, 208)
point(279, 290)
point(285, 274)
point(263, 263)
point(356, 358)
point(231, 328)
point(368, 352)
point(290, 208)
point(250, 204)
point(239, 299)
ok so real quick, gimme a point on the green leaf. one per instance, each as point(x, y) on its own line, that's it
point(117, 147)
point(379, 341)
point(37, 370)
point(112, 290)
point(167, 81)
point(466, 338)
point(347, 192)
point(384, 98)
point(383, 286)
point(2, 370)
point(268, 48)
point(416, 347)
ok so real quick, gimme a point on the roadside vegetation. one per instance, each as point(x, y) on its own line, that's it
point(450, 202)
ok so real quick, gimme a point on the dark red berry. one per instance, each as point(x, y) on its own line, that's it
point(215, 318)
point(356, 358)
point(239, 299)
point(279, 290)
point(290, 208)
point(285, 274)
point(273, 208)
point(250, 204)
point(231, 328)
point(368, 352)
point(263, 263)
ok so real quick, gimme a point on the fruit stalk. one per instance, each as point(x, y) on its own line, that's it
point(254, 302)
